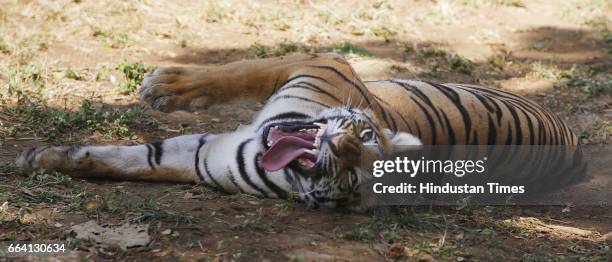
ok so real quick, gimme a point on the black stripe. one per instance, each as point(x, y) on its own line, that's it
point(429, 119)
point(274, 88)
point(405, 122)
point(454, 97)
point(492, 138)
point(315, 87)
point(233, 180)
point(449, 129)
point(386, 117)
point(415, 90)
point(288, 176)
point(346, 79)
point(309, 88)
point(529, 123)
point(242, 167)
point(201, 142)
point(483, 94)
point(517, 123)
point(150, 155)
point(209, 174)
point(509, 138)
point(264, 177)
point(159, 151)
point(308, 76)
point(283, 116)
point(30, 157)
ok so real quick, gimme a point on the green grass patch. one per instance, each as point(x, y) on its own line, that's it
point(281, 49)
point(460, 64)
point(599, 133)
point(349, 49)
point(74, 75)
point(591, 84)
point(150, 211)
point(36, 118)
point(441, 59)
point(111, 39)
point(133, 73)
point(42, 178)
point(39, 187)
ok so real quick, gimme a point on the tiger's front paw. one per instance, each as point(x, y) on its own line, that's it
point(45, 157)
point(173, 88)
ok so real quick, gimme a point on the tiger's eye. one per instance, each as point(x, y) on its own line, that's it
point(366, 135)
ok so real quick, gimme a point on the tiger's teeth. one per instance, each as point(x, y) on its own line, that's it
point(311, 151)
point(319, 124)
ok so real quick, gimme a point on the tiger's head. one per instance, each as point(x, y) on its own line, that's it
point(331, 154)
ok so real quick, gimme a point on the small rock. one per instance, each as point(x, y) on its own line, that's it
point(396, 251)
point(166, 232)
point(425, 258)
point(188, 195)
point(58, 225)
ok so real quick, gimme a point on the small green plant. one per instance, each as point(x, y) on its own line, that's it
point(215, 13)
point(133, 73)
point(112, 39)
point(281, 49)
point(460, 64)
point(349, 49)
point(74, 75)
point(42, 187)
point(599, 133)
point(586, 83)
point(441, 58)
point(150, 211)
point(361, 233)
point(41, 178)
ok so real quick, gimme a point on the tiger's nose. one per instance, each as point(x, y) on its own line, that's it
point(349, 148)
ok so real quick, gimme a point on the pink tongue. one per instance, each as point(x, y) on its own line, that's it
point(283, 151)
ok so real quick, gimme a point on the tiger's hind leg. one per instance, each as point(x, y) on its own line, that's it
point(191, 88)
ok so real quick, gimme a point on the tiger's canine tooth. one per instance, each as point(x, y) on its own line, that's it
point(311, 151)
point(319, 124)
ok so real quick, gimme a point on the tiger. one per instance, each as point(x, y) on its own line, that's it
point(318, 121)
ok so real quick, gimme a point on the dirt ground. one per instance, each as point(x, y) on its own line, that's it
point(69, 68)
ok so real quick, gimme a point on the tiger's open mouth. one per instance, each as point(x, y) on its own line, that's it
point(296, 142)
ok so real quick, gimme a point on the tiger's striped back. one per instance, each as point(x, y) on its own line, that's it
point(467, 114)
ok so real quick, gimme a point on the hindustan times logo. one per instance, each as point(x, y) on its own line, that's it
point(412, 167)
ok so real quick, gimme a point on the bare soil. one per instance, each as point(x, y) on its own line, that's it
point(524, 49)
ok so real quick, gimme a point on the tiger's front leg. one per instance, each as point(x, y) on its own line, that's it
point(229, 162)
point(172, 160)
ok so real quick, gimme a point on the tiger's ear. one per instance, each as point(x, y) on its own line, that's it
point(402, 141)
